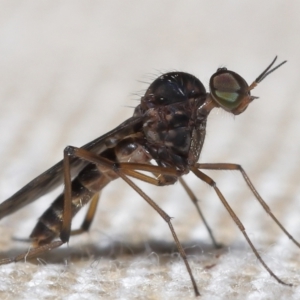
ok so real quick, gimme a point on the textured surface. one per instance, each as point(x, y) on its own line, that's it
point(68, 71)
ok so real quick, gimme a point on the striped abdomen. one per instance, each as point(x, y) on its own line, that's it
point(89, 181)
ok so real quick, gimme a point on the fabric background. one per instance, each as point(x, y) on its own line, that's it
point(68, 72)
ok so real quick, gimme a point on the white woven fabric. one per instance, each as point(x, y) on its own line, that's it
point(69, 69)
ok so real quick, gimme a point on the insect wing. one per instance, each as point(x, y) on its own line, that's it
point(53, 177)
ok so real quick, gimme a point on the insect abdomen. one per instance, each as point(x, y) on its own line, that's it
point(84, 187)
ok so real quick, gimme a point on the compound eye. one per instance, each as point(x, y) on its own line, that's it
point(228, 89)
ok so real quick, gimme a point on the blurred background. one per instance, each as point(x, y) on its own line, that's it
point(71, 71)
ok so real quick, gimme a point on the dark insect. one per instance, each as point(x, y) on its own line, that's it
point(163, 139)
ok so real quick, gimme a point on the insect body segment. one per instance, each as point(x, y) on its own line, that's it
point(158, 145)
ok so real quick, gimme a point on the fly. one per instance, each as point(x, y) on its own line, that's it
point(159, 144)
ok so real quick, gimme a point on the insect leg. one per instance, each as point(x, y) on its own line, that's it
point(91, 157)
point(158, 181)
point(85, 226)
point(117, 168)
point(239, 168)
point(195, 201)
point(32, 252)
point(210, 182)
point(67, 210)
point(167, 218)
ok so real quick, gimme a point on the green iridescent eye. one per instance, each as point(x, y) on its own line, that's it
point(228, 89)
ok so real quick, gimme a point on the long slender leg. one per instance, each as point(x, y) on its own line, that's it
point(156, 181)
point(210, 182)
point(117, 168)
point(85, 226)
point(67, 212)
point(195, 201)
point(167, 218)
point(239, 168)
point(32, 252)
